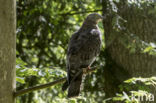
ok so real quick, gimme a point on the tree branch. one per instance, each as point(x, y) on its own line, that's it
point(35, 88)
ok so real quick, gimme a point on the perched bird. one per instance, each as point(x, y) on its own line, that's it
point(83, 48)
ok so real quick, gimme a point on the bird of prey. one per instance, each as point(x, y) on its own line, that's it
point(83, 48)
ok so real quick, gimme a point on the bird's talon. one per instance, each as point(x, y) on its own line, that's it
point(89, 68)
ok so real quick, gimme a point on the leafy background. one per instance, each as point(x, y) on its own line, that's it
point(44, 28)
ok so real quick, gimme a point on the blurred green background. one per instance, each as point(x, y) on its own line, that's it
point(44, 28)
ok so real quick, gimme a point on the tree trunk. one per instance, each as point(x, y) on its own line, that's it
point(7, 50)
point(122, 64)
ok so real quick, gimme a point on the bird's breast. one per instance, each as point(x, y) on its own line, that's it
point(90, 49)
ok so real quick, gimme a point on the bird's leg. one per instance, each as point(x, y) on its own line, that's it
point(88, 68)
point(85, 70)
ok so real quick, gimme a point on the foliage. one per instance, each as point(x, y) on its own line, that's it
point(44, 75)
point(43, 31)
point(121, 24)
point(23, 71)
point(136, 90)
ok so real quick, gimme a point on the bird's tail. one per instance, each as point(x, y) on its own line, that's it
point(75, 86)
point(65, 86)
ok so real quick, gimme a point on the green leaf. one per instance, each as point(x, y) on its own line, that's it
point(148, 49)
point(20, 80)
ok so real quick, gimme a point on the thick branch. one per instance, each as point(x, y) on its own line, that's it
point(31, 89)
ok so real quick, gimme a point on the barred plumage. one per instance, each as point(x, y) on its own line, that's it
point(83, 48)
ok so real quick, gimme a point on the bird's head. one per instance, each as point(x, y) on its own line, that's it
point(94, 18)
